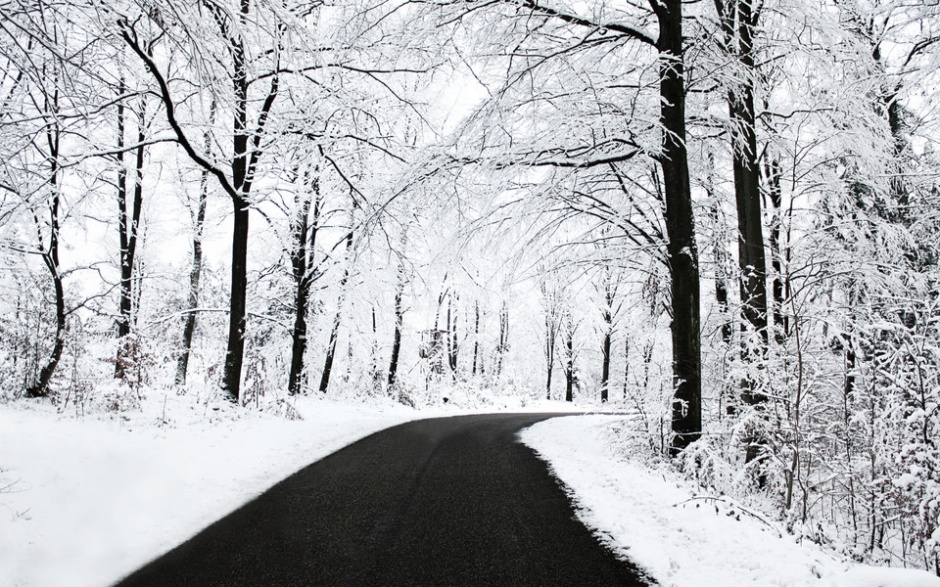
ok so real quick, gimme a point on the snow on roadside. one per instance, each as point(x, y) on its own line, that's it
point(656, 521)
point(89, 500)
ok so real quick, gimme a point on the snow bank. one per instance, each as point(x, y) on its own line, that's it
point(89, 500)
point(682, 540)
point(863, 576)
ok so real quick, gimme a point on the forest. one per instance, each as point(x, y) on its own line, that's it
point(722, 215)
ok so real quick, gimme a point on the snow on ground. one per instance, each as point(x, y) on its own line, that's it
point(88, 500)
point(680, 539)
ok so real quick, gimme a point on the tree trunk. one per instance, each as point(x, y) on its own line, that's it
point(451, 335)
point(551, 330)
point(680, 229)
point(305, 240)
point(503, 346)
point(721, 255)
point(626, 367)
point(50, 257)
point(195, 276)
point(123, 325)
point(235, 350)
point(454, 347)
point(605, 365)
point(738, 21)
point(337, 321)
point(476, 336)
point(41, 387)
point(781, 321)
point(376, 374)
point(569, 360)
point(330, 354)
point(195, 271)
point(550, 360)
point(399, 319)
point(128, 229)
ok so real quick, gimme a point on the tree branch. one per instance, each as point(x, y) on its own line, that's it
point(633, 33)
point(130, 37)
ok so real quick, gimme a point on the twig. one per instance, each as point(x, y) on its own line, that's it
point(753, 514)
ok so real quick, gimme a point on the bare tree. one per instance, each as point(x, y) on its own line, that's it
point(129, 230)
point(399, 319)
point(304, 234)
point(552, 306)
point(247, 150)
point(681, 251)
point(195, 271)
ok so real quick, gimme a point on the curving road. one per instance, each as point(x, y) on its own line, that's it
point(446, 501)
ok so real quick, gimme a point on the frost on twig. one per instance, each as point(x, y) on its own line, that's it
point(735, 510)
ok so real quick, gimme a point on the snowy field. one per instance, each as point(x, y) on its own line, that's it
point(682, 539)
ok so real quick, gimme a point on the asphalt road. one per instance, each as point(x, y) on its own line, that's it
point(447, 501)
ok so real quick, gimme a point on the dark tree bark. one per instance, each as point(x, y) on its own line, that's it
point(569, 357)
point(123, 319)
point(195, 271)
point(235, 349)
point(476, 336)
point(375, 372)
point(51, 259)
point(337, 321)
point(550, 296)
point(680, 229)
point(772, 174)
point(722, 276)
point(330, 351)
point(50, 254)
point(195, 276)
point(305, 242)
point(626, 367)
point(451, 335)
point(605, 366)
point(738, 21)
point(128, 231)
point(610, 294)
point(549, 361)
point(503, 346)
point(399, 319)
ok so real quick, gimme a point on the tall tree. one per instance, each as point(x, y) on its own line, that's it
point(399, 320)
point(129, 216)
point(304, 235)
point(568, 328)
point(552, 310)
point(601, 150)
point(680, 228)
point(610, 306)
point(34, 169)
point(338, 315)
point(195, 270)
point(738, 20)
point(247, 150)
point(49, 246)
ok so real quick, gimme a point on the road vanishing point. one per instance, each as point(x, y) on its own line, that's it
point(445, 501)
